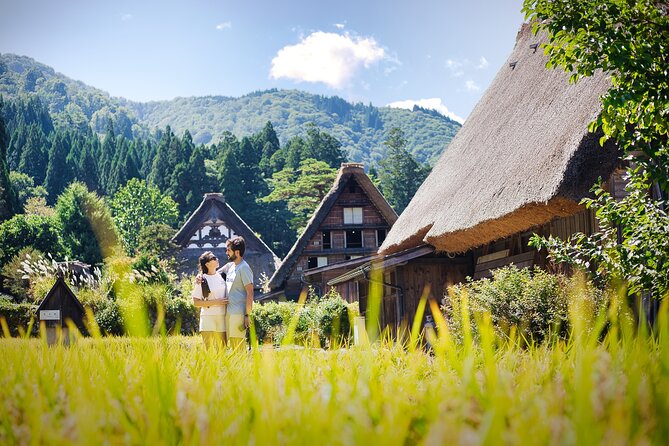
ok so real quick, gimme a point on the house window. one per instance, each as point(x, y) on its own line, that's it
point(316, 262)
point(380, 236)
point(354, 238)
point(352, 216)
point(327, 240)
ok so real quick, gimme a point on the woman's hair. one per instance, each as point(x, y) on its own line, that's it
point(206, 257)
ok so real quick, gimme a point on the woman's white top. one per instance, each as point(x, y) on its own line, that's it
point(218, 290)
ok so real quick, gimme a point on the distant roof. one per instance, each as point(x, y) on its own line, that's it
point(523, 157)
point(215, 208)
point(346, 172)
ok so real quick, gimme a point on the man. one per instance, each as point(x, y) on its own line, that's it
point(239, 281)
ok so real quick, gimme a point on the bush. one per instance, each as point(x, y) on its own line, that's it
point(149, 269)
point(13, 276)
point(532, 302)
point(326, 319)
point(21, 231)
point(18, 315)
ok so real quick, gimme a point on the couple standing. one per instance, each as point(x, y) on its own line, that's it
point(224, 296)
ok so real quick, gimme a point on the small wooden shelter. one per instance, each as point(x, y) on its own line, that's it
point(209, 228)
point(59, 306)
point(520, 164)
point(351, 222)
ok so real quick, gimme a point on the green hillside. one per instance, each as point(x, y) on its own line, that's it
point(360, 128)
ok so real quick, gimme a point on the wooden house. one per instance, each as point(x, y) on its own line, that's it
point(59, 306)
point(350, 223)
point(520, 164)
point(209, 228)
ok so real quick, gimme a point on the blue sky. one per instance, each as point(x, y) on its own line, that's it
point(444, 53)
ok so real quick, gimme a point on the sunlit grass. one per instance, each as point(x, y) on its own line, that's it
point(607, 384)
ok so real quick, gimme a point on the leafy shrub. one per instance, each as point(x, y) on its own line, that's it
point(326, 319)
point(21, 231)
point(532, 302)
point(149, 269)
point(18, 315)
point(13, 276)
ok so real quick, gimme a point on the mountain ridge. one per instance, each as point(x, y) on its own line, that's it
point(360, 128)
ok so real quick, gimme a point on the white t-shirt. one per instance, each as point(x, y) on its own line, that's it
point(218, 290)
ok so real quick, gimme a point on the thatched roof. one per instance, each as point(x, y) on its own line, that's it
point(523, 157)
point(346, 172)
point(214, 209)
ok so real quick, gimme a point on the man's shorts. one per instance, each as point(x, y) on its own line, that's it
point(235, 323)
point(213, 322)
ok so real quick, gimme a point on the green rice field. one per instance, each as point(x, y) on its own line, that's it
point(609, 384)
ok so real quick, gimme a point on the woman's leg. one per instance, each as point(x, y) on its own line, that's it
point(214, 338)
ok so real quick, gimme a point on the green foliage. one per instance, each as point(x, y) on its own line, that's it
point(325, 320)
point(138, 205)
point(87, 228)
point(630, 41)
point(301, 189)
point(632, 244)
point(532, 304)
point(156, 240)
point(25, 186)
point(14, 277)
point(18, 315)
point(21, 231)
point(400, 175)
point(150, 270)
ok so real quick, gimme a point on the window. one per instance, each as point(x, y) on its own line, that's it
point(354, 238)
point(327, 240)
point(380, 236)
point(316, 262)
point(352, 216)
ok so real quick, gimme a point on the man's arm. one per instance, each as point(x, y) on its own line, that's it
point(249, 303)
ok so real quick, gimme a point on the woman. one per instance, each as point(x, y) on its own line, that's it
point(211, 297)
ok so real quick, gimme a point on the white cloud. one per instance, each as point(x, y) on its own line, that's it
point(126, 17)
point(339, 25)
point(330, 58)
point(456, 67)
point(224, 25)
point(432, 104)
point(470, 85)
point(483, 64)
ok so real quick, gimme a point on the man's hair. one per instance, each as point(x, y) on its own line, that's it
point(237, 243)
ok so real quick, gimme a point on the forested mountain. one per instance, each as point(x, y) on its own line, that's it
point(360, 128)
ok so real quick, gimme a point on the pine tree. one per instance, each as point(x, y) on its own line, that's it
point(58, 174)
point(8, 197)
point(399, 173)
point(34, 157)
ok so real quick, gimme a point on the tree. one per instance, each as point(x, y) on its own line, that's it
point(25, 185)
point(36, 231)
point(302, 189)
point(9, 202)
point(630, 41)
point(86, 225)
point(138, 205)
point(400, 174)
point(58, 174)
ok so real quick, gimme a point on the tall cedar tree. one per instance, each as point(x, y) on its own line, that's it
point(399, 172)
point(34, 156)
point(87, 228)
point(9, 204)
point(58, 174)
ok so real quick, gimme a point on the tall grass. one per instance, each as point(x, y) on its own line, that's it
point(607, 383)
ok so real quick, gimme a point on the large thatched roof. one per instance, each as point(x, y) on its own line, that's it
point(523, 157)
point(346, 172)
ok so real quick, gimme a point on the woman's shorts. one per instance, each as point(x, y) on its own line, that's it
point(213, 322)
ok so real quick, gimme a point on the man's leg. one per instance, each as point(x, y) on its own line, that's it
point(236, 331)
